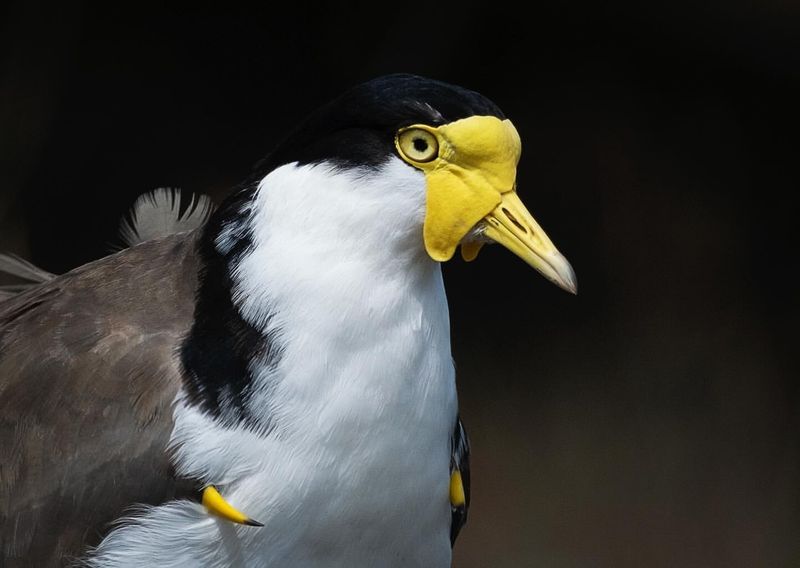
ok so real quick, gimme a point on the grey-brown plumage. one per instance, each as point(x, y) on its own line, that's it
point(22, 270)
point(88, 374)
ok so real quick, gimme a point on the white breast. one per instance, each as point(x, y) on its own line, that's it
point(362, 401)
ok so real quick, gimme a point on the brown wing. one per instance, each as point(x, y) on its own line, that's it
point(88, 374)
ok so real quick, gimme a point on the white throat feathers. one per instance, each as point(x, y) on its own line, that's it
point(353, 403)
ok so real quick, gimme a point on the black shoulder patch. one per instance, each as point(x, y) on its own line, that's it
point(217, 353)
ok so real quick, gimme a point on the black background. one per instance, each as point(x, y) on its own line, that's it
point(649, 421)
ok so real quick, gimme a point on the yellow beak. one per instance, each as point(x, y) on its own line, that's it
point(511, 225)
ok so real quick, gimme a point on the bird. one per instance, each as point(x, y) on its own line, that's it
point(275, 386)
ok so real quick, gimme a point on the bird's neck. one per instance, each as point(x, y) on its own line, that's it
point(312, 258)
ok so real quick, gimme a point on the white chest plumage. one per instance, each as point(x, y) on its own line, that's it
point(361, 402)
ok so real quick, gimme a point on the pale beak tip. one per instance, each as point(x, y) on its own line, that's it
point(566, 278)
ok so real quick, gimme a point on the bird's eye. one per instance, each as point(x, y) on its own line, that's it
point(417, 145)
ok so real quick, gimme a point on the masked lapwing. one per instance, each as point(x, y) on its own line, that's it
point(274, 388)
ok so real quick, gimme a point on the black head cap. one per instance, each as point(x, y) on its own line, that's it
point(358, 128)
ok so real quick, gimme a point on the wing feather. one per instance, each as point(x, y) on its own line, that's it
point(88, 374)
point(21, 268)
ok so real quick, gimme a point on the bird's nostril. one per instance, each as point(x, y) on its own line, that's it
point(514, 220)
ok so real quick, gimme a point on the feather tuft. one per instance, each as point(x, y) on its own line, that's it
point(19, 268)
point(15, 266)
point(158, 213)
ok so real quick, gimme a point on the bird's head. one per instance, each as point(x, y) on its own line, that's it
point(459, 143)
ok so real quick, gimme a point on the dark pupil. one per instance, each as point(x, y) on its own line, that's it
point(420, 145)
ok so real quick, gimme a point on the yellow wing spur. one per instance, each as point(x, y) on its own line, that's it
point(459, 479)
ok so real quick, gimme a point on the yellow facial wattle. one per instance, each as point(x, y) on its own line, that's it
point(470, 167)
point(475, 163)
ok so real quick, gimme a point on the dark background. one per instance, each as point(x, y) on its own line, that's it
point(651, 420)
